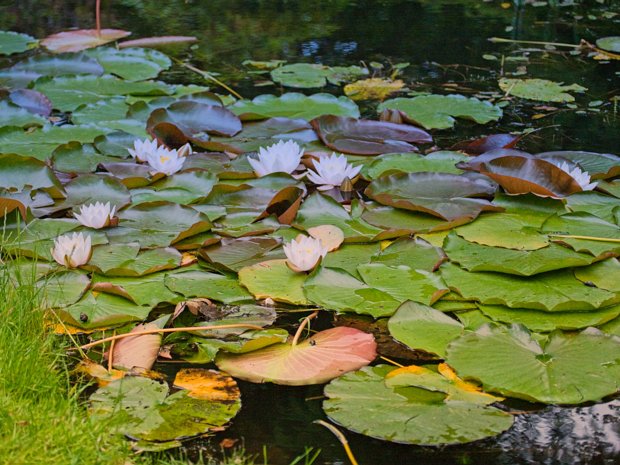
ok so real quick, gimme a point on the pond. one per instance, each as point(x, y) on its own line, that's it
point(446, 44)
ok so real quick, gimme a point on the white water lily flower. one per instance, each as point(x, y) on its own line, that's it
point(331, 171)
point(166, 161)
point(143, 148)
point(96, 215)
point(303, 253)
point(582, 177)
point(281, 157)
point(72, 250)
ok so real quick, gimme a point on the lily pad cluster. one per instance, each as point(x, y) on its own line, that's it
point(149, 208)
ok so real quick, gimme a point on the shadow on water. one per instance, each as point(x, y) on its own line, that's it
point(444, 40)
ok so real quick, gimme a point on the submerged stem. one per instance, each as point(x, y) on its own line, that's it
point(167, 330)
point(341, 437)
point(302, 326)
point(531, 42)
point(207, 75)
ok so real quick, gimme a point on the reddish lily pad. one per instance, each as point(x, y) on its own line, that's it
point(365, 137)
point(81, 39)
point(320, 358)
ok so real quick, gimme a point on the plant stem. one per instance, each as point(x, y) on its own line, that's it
point(98, 17)
point(588, 238)
point(341, 437)
point(531, 42)
point(207, 75)
point(302, 326)
point(167, 330)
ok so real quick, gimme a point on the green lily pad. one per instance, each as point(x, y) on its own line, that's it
point(14, 42)
point(58, 65)
point(442, 162)
point(19, 172)
point(101, 112)
point(539, 321)
point(349, 256)
point(447, 196)
point(294, 105)
point(402, 222)
point(132, 64)
point(424, 415)
point(63, 288)
point(102, 310)
point(234, 254)
point(439, 111)
point(275, 280)
point(68, 93)
point(595, 203)
point(603, 275)
point(541, 90)
point(569, 368)
point(149, 290)
point(476, 257)
point(555, 291)
point(414, 253)
point(424, 328)
point(305, 75)
point(146, 412)
point(91, 188)
point(598, 165)
point(222, 288)
point(128, 260)
point(12, 115)
point(403, 283)
point(338, 290)
point(609, 44)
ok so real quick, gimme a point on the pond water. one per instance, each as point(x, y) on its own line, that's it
point(444, 41)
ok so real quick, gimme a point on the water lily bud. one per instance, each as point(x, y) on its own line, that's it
point(185, 150)
point(72, 250)
point(97, 215)
point(283, 157)
point(303, 253)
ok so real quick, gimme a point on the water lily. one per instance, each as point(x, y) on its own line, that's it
point(96, 215)
point(143, 148)
point(582, 177)
point(72, 250)
point(166, 161)
point(303, 253)
point(332, 171)
point(281, 157)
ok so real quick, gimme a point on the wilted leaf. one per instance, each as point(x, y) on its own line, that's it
point(542, 90)
point(139, 351)
point(157, 41)
point(373, 89)
point(31, 100)
point(305, 75)
point(81, 39)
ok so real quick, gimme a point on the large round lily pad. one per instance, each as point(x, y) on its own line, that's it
point(569, 368)
point(423, 414)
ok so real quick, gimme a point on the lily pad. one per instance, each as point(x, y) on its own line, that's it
point(222, 288)
point(541, 90)
point(609, 44)
point(305, 75)
point(19, 172)
point(441, 161)
point(81, 39)
point(448, 196)
point(598, 165)
point(316, 360)
point(133, 64)
point(556, 291)
point(439, 111)
point(366, 137)
point(424, 328)
point(569, 368)
point(273, 279)
point(423, 415)
point(14, 42)
point(58, 65)
point(294, 105)
point(12, 115)
point(103, 310)
point(373, 89)
point(603, 275)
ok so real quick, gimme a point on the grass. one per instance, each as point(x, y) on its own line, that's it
point(42, 416)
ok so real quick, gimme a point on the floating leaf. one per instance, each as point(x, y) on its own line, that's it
point(423, 328)
point(81, 39)
point(207, 384)
point(133, 64)
point(488, 143)
point(439, 111)
point(144, 410)
point(62, 289)
point(234, 254)
point(157, 41)
point(139, 351)
point(365, 137)
point(448, 196)
point(294, 105)
point(19, 172)
point(540, 89)
point(390, 163)
point(14, 42)
point(102, 310)
point(609, 44)
point(304, 75)
point(476, 257)
point(273, 279)
point(31, 100)
point(413, 253)
point(58, 65)
point(330, 236)
point(221, 288)
point(337, 290)
point(316, 360)
point(536, 320)
point(598, 165)
point(556, 291)
point(569, 368)
point(373, 89)
point(425, 414)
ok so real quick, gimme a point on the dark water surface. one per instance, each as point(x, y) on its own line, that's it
point(444, 40)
